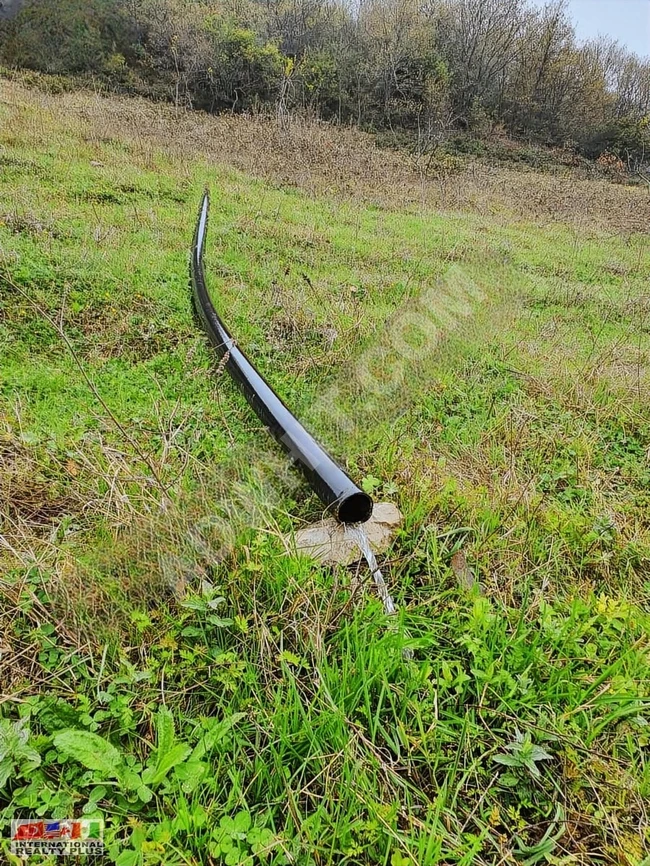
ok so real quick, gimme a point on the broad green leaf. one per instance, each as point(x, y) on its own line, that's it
point(220, 622)
point(241, 823)
point(262, 841)
point(216, 602)
point(236, 857)
point(216, 731)
point(98, 793)
point(14, 737)
point(6, 771)
point(370, 483)
point(193, 604)
point(508, 760)
point(190, 774)
point(129, 779)
point(533, 768)
point(509, 780)
point(91, 750)
point(166, 762)
point(165, 734)
point(539, 754)
point(145, 794)
point(227, 844)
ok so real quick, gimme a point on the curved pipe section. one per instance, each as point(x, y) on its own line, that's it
point(338, 492)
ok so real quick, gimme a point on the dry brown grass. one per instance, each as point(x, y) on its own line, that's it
point(323, 159)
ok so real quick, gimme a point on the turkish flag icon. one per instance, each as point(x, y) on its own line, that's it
point(31, 830)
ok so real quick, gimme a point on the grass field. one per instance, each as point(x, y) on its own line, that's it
point(165, 662)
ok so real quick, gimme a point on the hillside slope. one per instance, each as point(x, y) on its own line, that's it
point(475, 347)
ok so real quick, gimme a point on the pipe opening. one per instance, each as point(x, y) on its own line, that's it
point(355, 509)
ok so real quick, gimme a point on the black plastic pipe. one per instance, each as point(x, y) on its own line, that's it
point(338, 492)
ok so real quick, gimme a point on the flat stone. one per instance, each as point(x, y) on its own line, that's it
point(327, 542)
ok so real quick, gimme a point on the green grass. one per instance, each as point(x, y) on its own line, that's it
point(249, 709)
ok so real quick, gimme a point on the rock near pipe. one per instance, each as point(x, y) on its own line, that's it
point(338, 492)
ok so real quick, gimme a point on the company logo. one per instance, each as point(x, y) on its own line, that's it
point(57, 837)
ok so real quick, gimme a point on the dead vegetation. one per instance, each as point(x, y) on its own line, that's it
point(326, 160)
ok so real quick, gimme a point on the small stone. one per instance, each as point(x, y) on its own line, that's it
point(327, 542)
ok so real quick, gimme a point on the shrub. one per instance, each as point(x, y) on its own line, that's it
point(317, 77)
point(242, 72)
point(73, 37)
point(626, 138)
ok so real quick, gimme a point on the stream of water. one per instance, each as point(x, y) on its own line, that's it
point(358, 535)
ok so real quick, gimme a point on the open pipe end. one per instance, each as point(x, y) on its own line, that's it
point(356, 508)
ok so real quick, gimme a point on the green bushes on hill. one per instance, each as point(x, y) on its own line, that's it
point(70, 37)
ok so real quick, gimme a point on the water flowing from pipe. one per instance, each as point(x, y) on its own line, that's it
point(358, 535)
